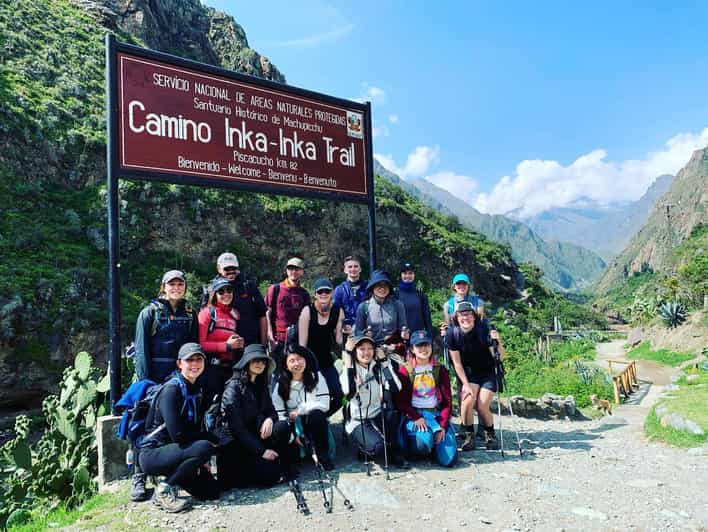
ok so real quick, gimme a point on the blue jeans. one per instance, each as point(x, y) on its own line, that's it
point(419, 443)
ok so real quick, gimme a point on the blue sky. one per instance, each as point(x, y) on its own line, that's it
point(509, 105)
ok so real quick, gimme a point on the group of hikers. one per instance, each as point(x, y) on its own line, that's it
point(250, 383)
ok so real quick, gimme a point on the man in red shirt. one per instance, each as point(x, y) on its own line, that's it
point(285, 300)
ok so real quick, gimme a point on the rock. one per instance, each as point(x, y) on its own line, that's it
point(590, 513)
point(485, 520)
point(692, 379)
point(661, 411)
point(678, 422)
point(671, 388)
point(635, 337)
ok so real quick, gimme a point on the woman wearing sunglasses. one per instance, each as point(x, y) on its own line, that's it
point(320, 330)
point(218, 325)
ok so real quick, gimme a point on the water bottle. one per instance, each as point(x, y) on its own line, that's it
point(129, 458)
point(212, 466)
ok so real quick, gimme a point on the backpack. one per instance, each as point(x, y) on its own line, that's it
point(274, 306)
point(137, 401)
point(161, 312)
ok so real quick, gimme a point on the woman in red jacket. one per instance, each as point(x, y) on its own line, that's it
point(218, 325)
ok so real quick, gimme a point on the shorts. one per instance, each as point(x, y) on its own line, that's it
point(488, 381)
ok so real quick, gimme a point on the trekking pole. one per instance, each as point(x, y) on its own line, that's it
point(383, 421)
point(299, 497)
point(518, 440)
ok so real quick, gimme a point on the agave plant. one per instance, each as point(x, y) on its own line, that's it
point(673, 313)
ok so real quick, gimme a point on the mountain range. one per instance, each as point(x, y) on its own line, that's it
point(606, 230)
point(566, 266)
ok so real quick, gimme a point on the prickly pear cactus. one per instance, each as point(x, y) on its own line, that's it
point(60, 467)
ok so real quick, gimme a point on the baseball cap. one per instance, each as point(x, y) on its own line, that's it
point(460, 278)
point(227, 260)
point(190, 349)
point(172, 274)
point(219, 282)
point(296, 262)
point(464, 306)
point(421, 337)
point(407, 266)
point(322, 283)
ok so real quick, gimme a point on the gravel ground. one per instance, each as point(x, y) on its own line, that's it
point(574, 475)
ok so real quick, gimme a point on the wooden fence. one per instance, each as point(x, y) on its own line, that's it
point(625, 382)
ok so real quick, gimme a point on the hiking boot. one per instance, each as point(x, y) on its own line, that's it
point(399, 461)
point(468, 444)
point(166, 498)
point(327, 463)
point(490, 440)
point(138, 493)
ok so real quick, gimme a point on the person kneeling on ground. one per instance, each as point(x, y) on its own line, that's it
point(255, 442)
point(174, 444)
point(364, 381)
point(469, 344)
point(425, 400)
point(301, 396)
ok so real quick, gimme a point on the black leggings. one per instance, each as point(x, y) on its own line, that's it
point(315, 425)
point(182, 465)
point(239, 468)
point(369, 434)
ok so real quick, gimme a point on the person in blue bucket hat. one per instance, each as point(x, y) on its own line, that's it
point(425, 400)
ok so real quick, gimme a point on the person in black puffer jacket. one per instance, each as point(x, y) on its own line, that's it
point(174, 444)
point(255, 443)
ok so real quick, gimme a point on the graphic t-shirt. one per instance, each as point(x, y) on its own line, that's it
point(423, 395)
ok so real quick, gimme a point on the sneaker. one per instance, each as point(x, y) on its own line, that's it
point(138, 493)
point(490, 440)
point(468, 443)
point(166, 498)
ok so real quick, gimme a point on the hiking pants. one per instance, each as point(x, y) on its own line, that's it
point(238, 467)
point(335, 389)
point(369, 434)
point(422, 444)
point(182, 465)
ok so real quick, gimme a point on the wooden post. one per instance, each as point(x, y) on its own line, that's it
point(616, 390)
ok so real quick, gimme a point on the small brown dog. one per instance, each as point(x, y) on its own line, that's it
point(601, 404)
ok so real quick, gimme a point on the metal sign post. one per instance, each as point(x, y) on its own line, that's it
point(179, 121)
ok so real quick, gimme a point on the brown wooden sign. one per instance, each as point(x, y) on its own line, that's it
point(178, 120)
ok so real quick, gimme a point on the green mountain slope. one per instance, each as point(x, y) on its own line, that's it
point(564, 265)
point(53, 255)
point(672, 220)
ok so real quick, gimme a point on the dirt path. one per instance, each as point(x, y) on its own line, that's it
point(574, 475)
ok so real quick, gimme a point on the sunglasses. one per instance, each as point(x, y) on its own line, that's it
point(224, 290)
point(324, 291)
point(231, 269)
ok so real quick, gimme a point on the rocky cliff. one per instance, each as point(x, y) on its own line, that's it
point(53, 214)
point(674, 216)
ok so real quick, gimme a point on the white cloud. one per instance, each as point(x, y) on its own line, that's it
point(539, 185)
point(462, 186)
point(393, 119)
point(417, 163)
point(314, 40)
point(371, 93)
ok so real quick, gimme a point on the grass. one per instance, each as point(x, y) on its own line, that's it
point(688, 401)
point(102, 510)
point(663, 356)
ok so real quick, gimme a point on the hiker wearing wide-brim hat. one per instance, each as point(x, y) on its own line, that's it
point(162, 327)
point(366, 380)
point(381, 314)
point(257, 454)
point(301, 395)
